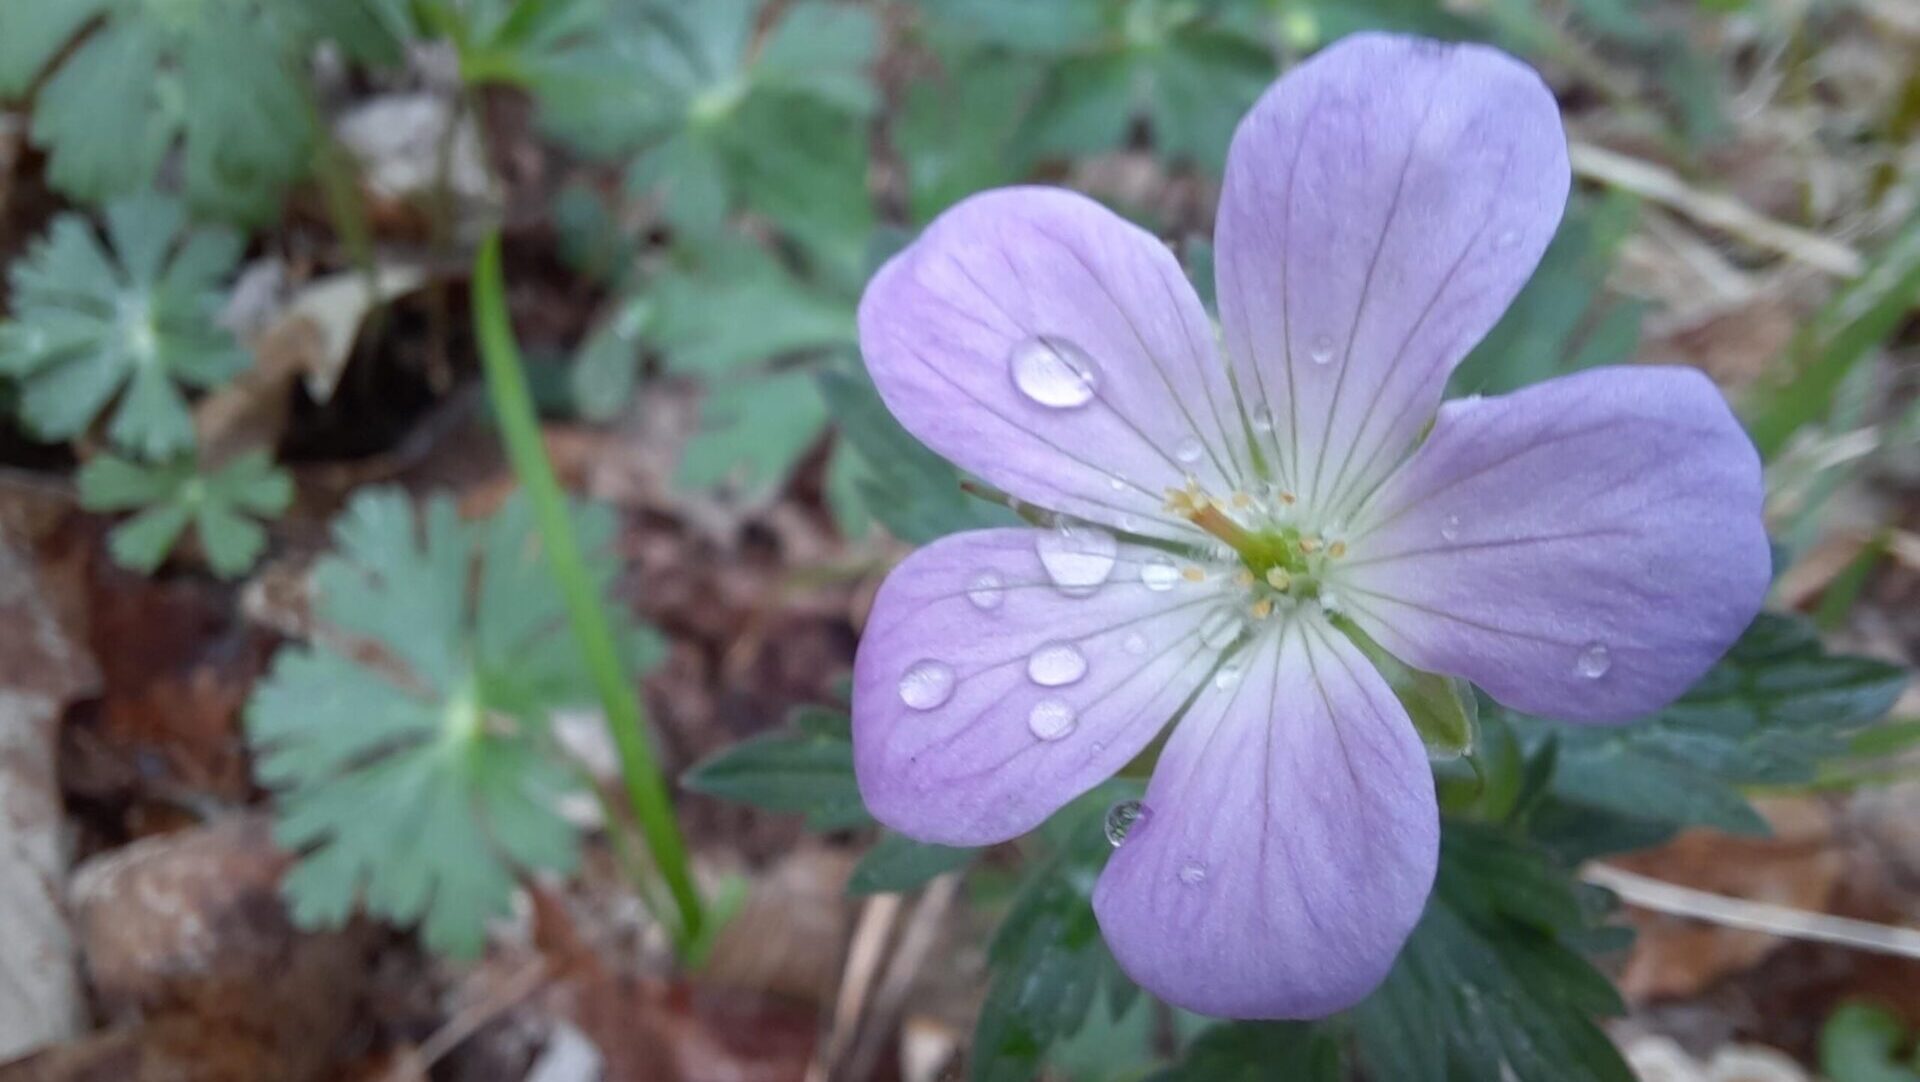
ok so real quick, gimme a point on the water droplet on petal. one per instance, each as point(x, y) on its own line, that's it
point(1594, 661)
point(1450, 529)
point(1189, 450)
point(1506, 240)
point(1052, 719)
point(1322, 350)
point(926, 684)
point(1117, 483)
point(1159, 574)
point(1053, 372)
point(1262, 420)
point(1078, 559)
point(1121, 819)
point(1056, 664)
point(1193, 873)
point(987, 590)
point(1135, 644)
point(1226, 678)
point(1221, 627)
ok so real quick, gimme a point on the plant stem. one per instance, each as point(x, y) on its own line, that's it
point(626, 718)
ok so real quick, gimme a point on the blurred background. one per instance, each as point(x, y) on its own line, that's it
point(304, 777)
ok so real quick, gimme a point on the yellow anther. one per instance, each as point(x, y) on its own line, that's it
point(1193, 574)
point(1262, 608)
point(1309, 545)
point(1243, 578)
point(1337, 549)
point(1287, 498)
point(1278, 578)
point(1242, 500)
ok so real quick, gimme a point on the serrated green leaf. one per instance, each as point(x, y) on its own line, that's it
point(797, 771)
point(821, 50)
point(753, 430)
point(221, 506)
point(430, 712)
point(1861, 1042)
point(136, 324)
point(1488, 985)
point(32, 34)
point(899, 864)
point(699, 326)
point(1259, 1051)
point(607, 367)
point(1768, 714)
point(957, 135)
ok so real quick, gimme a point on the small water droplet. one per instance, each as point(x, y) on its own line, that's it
point(1117, 483)
point(987, 590)
point(1121, 819)
point(1221, 627)
point(1226, 678)
point(1594, 661)
point(1189, 450)
point(1159, 574)
point(1262, 420)
point(1135, 644)
point(1322, 350)
point(1193, 873)
point(1078, 559)
point(1053, 372)
point(1052, 719)
point(1329, 600)
point(1506, 240)
point(926, 684)
point(1056, 664)
point(1450, 529)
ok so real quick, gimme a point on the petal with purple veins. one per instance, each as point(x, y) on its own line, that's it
point(1286, 844)
point(1004, 672)
point(1036, 339)
point(1383, 204)
point(1585, 548)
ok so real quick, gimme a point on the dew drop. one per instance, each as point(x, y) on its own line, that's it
point(1053, 372)
point(1051, 719)
point(1262, 420)
point(1078, 559)
point(1121, 819)
point(1193, 873)
point(1506, 240)
point(1159, 574)
point(926, 684)
point(1226, 678)
point(1117, 483)
point(987, 590)
point(1056, 664)
point(1221, 627)
point(1188, 450)
point(1450, 529)
point(1594, 661)
point(1322, 351)
point(1135, 644)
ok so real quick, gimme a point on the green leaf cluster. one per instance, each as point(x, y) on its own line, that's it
point(124, 84)
point(223, 507)
point(408, 745)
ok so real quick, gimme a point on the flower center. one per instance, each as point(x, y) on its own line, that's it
point(1283, 564)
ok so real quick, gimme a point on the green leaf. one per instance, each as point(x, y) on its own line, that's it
point(1489, 985)
point(957, 135)
point(607, 366)
point(1048, 961)
point(1860, 1043)
point(1563, 320)
point(222, 507)
point(806, 770)
point(897, 864)
point(137, 324)
point(1258, 1052)
point(754, 430)
point(216, 78)
point(425, 705)
point(1767, 714)
point(1830, 345)
point(699, 305)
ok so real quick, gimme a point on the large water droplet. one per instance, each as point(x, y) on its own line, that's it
point(1078, 559)
point(1262, 420)
point(1594, 661)
point(1189, 450)
point(1135, 644)
point(1221, 627)
point(926, 684)
point(1193, 873)
point(1159, 574)
point(1450, 529)
point(1052, 719)
point(1322, 350)
point(1121, 819)
point(1056, 664)
point(1053, 372)
point(987, 590)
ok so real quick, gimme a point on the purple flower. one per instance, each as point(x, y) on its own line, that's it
point(1585, 548)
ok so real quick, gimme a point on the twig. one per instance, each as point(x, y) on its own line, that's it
point(916, 941)
point(471, 1018)
point(1779, 920)
point(1664, 186)
point(869, 945)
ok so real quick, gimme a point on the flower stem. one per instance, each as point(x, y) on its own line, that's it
point(626, 717)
